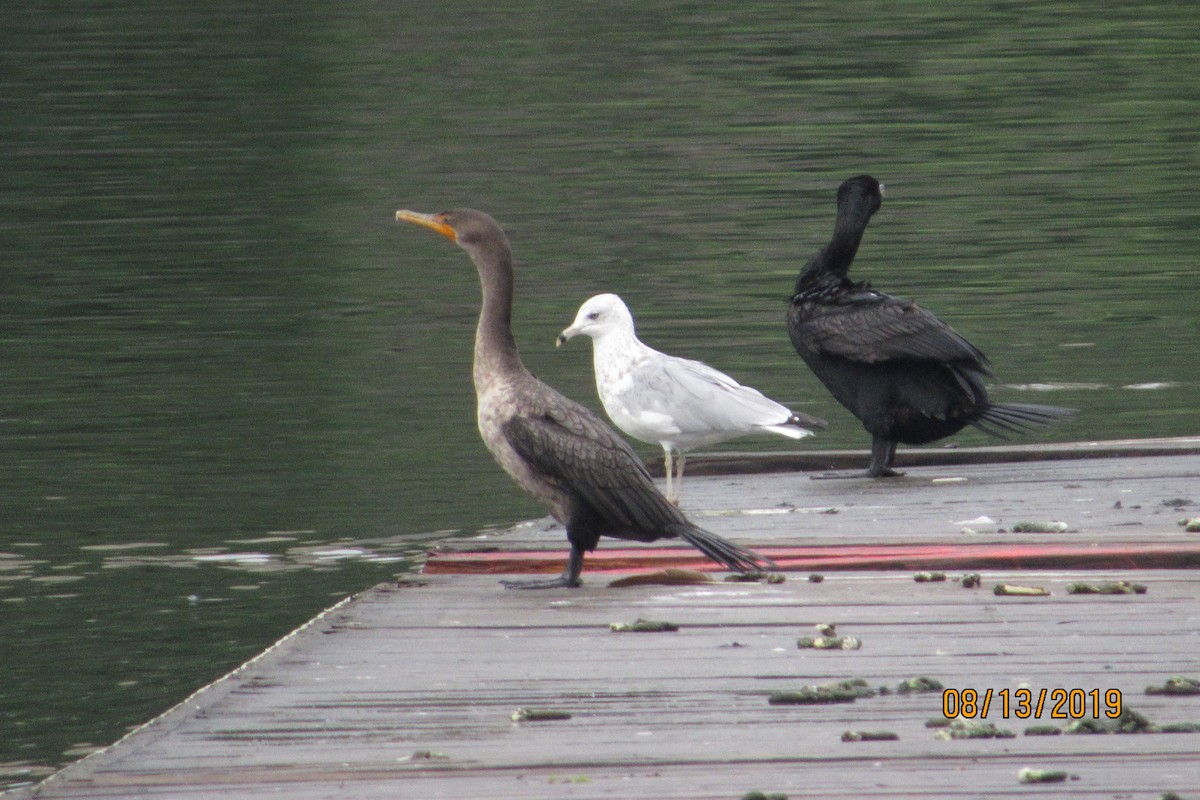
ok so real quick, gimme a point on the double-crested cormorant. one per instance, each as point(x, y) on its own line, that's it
point(565, 456)
point(670, 401)
point(907, 375)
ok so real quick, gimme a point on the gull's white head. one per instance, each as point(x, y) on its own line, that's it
point(598, 317)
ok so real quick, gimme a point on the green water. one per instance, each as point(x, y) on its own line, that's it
point(234, 390)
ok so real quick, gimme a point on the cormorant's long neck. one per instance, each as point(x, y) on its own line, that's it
point(832, 263)
point(495, 348)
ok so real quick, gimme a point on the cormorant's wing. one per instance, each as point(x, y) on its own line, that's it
point(872, 328)
point(569, 444)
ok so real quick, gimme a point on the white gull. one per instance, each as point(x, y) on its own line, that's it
point(673, 402)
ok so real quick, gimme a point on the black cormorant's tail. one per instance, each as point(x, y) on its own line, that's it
point(723, 551)
point(1000, 419)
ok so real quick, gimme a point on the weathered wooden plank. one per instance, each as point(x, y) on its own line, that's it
point(1119, 513)
point(441, 667)
point(1129, 498)
point(747, 463)
point(407, 691)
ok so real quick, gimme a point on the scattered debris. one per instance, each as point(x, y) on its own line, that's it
point(1177, 686)
point(858, 685)
point(840, 692)
point(755, 577)
point(929, 577)
point(939, 722)
point(826, 628)
point(1053, 526)
point(1177, 502)
point(764, 796)
point(539, 715)
point(969, 729)
point(643, 626)
point(810, 697)
point(1191, 524)
point(869, 736)
point(553, 779)
point(978, 522)
point(981, 524)
point(1028, 775)
point(671, 576)
point(405, 583)
point(1115, 587)
point(816, 577)
point(1008, 589)
point(1043, 730)
point(425, 755)
point(971, 580)
point(829, 643)
point(1130, 721)
point(919, 685)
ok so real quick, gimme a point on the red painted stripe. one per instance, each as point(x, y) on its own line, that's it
point(1184, 555)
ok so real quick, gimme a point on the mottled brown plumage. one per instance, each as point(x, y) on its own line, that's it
point(906, 374)
point(566, 457)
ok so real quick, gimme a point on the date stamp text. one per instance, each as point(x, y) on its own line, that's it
point(1032, 703)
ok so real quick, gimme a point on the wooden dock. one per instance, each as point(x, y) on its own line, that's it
point(408, 690)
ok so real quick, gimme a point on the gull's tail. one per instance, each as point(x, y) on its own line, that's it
point(797, 426)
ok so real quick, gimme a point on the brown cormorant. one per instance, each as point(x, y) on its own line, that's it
point(560, 452)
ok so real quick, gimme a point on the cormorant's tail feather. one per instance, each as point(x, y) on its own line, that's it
point(1002, 418)
point(723, 551)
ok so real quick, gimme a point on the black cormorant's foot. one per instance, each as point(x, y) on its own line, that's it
point(883, 472)
point(569, 579)
point(840, 476)
point(883, 453)
point(561, 582)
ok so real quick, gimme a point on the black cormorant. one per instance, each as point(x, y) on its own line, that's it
point(907, 375)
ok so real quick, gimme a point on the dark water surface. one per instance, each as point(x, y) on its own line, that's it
point(234, 390)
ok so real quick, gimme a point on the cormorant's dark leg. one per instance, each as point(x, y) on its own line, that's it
point(883, 453)
point(568, 580)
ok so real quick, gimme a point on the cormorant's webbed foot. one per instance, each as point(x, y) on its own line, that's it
point(568, 580)
point(561, 582)
point(882, 472)
point(883, 453)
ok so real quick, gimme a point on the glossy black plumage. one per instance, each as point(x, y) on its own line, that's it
point(565, 456)
point(907, 375)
